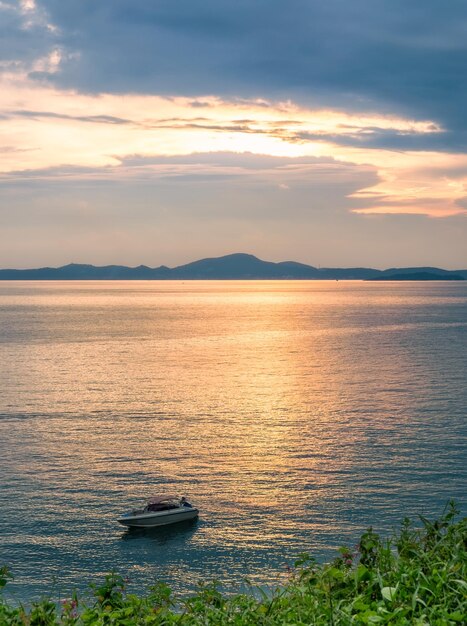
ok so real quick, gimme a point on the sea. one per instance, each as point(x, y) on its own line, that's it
point(293, 414)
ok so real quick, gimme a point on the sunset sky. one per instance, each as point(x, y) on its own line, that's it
point(161, 131)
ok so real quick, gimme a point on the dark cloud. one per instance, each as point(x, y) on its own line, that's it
point(95, 119)
point(390, 139)
point(22, 39)
point(389, 55)
point(200, 104)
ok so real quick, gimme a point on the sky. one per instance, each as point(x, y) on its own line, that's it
point(163, 131)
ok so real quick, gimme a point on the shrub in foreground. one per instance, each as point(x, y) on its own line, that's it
point(418, 577)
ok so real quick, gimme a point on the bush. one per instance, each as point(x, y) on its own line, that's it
point(416, 578)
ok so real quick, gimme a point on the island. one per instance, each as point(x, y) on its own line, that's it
point(419, 276)
point(238, 266)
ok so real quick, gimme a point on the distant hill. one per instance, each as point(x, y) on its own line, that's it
point(243, 266)
point(229, 267)
point(420, 276)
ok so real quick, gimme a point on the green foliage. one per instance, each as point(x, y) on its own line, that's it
point(5, 576)
point(418, 578)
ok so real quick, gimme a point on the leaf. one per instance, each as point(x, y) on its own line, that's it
point(460, 582)
point(457, 616)
point(335, 573)
point(388, 593)
point(362, 573)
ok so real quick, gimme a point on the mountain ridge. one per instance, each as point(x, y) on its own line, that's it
point(237, 266)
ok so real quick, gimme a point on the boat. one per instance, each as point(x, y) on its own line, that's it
point(160, 511)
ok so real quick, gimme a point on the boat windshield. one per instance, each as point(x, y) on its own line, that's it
point(163, 503)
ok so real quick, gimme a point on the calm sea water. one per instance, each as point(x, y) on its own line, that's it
point(294, 414)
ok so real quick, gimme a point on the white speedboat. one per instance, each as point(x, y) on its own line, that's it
point(160, 511)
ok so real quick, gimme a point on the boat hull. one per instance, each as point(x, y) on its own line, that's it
point(162, 518)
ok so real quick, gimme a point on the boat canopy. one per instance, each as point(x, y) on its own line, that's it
point(163, 498)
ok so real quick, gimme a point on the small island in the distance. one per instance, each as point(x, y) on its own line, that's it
point(419, 276)
point(229, 267)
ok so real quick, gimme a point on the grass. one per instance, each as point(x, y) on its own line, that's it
point(417, 578)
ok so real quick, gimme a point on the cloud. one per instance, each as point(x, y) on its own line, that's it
point(386, 55)
point(96, 137)
point(242, 115)
point(176, 209)
point(314, 184)
point(331, 127)
point(340, 179)
point(207, 203)
point(25, 35)
point(94, 119)
point(282, 122)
